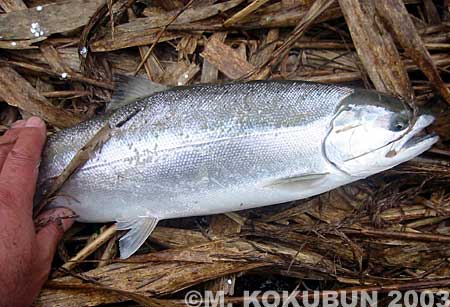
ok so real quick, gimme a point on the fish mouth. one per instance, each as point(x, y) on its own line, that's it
point(416, 139)
point(419, 138)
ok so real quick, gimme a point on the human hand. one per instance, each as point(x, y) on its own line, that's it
point(26, 253)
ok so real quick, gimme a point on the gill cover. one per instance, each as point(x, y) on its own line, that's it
point(365, 121)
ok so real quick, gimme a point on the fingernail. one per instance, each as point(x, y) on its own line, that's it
point(18, 124)
point(35, 122)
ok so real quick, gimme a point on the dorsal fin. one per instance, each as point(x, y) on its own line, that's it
point(128, 89)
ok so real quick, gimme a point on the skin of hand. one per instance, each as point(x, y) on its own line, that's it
point(26, 252)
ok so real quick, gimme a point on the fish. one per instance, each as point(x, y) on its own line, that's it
point(215, 148)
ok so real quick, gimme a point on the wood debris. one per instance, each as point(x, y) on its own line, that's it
point(18, 92)
point(380, 58)
point(45, 20)
point(396, 16)
point(225, 59)
point(12, 5)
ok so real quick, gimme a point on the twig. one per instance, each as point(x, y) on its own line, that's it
point(315, 11)
point(104, 237)
point(81, 157)
point(160, 33)
point(408, 236)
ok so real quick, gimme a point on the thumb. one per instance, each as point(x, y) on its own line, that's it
point(51, 226)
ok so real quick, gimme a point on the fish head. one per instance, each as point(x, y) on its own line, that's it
point(371, 132)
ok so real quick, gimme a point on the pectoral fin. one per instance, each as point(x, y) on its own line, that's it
point(129, 89)
point(139, 230)
point(296, 180)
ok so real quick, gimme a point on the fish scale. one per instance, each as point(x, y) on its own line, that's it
point(187, 116)
point(200, 150)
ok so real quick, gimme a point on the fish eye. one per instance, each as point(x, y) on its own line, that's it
point(399, 125)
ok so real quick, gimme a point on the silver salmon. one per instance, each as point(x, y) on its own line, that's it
point(210, 149)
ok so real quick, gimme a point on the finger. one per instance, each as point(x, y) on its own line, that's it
point(8, 139)
point(18, 124)
point(20, 168)
point(51, 227)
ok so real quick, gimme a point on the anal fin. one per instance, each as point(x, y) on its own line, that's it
point(139, 230)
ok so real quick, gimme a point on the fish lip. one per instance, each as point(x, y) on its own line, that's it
point(419, 139)
point(412, 139)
